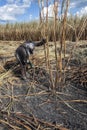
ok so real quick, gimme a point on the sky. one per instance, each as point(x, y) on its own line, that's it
point(27, 10)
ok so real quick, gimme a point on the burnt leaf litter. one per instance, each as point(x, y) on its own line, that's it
point(31, 105)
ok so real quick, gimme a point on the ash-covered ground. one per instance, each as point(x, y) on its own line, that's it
point(33, 98)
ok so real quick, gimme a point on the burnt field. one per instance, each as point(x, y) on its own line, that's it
point(32, 104)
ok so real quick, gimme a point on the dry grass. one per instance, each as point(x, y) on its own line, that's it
point(57, 58)
point(32, 31)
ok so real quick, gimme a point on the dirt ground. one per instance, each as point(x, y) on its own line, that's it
point(30, 104)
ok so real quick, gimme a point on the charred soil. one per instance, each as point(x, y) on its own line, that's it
point(31, 105)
